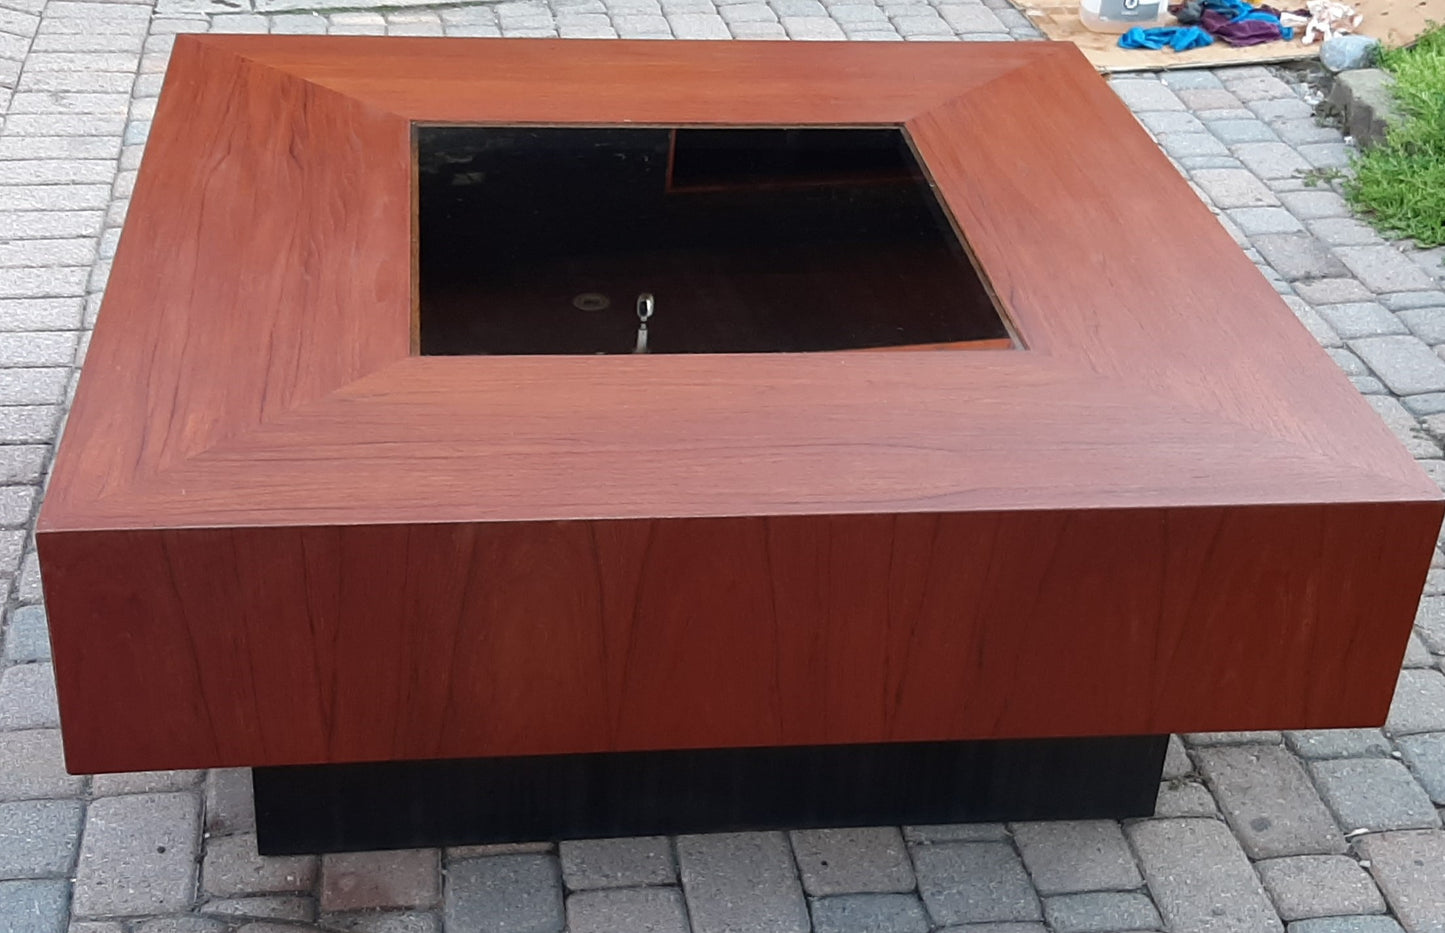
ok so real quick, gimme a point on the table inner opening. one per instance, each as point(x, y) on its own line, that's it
point(559, 240)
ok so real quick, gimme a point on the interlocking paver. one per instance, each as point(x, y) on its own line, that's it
point(869, 913)
point(1100, 912)
point(138, 856)
point(974, 882)
point(505, 894)
point(38, 838)
point(1269, 801)
point(1419, 704)
point(647, 910)
point(1405, 364)
point(733, 880)
point(33, 906)
point(852, 861)
point(1425, 756)
point(232, 866)
point(1319, 886)
point(1408, 867)
point(617, 863)
point(1339, 743)
point(1064, 857)
point(367, 880)
point(1200, 878)
point(1373, 793)
point(31, 766)
point(27, 693)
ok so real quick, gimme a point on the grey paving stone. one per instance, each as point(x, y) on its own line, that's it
point(1404, 301)
point(1404, 426)
point(232, 867)
point(617, 863)
point(27, 424)
point(182, 924)
point(1383, 268)
point(1343, 231)
point(1200, 878)
point(1100, 912)
point(265, 907)
point(27, 697)
point(27, 636)
point(1318, 327)
point(1298, 256)
point(1408, 867)
point(1369, 385)
point(1319, 886)
point(1332, 291)
point(1247, 130)
point(1192, 145)
point(1419, 703)
point(230, 806)
point(1405, 364)
point(1250, 85)
point(1230, 188)
point(1191, 78)
point(1373, 793)
point(1326, 155)
point(1255, 221)
point(741, 881)
point(1269, 801)
point(996, 928)
point(33, 906)
point(505, 894)
point(138, 856)
point(1207, 739)
point(623, 910)
point(143, 782)
point(1203, 100)
point(1067, 856)
point(38, 838)
point(1365, 924)
point(1145, 94)
point(955, 832)
point(1271, 159)
point(971, 18)
point(1416, 654)
point(976, 882)
point(403, 922)
point(1304, 131)
point(869, 913)
point(32, 766)
point(1184, 798)
point(1338, 743)
point(1426, 323)
point(1425, 754)
point(1361, 319)
point(1171, 121)
point(1176, 760)
point(852, 861)
point(366, 880)
point(1315, 204)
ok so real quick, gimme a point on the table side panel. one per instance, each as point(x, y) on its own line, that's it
point(271, 646)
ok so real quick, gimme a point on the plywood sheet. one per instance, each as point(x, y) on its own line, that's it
point(1396, 22)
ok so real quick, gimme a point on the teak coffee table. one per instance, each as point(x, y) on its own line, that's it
point(518, 439)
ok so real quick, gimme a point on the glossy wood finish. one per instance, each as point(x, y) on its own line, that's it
point(274, 536)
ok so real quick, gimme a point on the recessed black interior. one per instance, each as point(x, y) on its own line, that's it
point(538, 240)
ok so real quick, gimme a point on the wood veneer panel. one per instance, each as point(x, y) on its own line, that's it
point(374, 643)
point(273, 536)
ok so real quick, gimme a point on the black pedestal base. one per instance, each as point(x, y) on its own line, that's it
point(339, 808)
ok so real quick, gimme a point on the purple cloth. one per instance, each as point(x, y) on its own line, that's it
point(1240, 32)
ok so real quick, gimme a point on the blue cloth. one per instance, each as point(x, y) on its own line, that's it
point(1178, 38)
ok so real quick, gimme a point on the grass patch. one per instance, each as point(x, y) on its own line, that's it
point(1400, 183)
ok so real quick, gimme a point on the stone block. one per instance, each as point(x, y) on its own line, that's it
point(38, 838)
point(1231, 188)
point(1339, 743)
point(33, 906)
point(617, 863)
point(1269, 801)
point(367, 880)
point(233, 867)
point(27, 697)
point(1405, 364)
point(1200, 878)
point(505, 894)
point(852, 861)
point(1298, 256)
point(869, 913)
point(741, 881)
point(1361, 319)
point(1419, 703)
point(1376, 794)
point(646, 910)
point(978, 882)
point(1408, 867)
point(1319, 886)
point(32, 766)
point(1068, 856)
point(1100, 912)
point(1425, 756)
point(138, 856)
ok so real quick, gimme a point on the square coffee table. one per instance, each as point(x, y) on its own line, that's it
point(667, 436)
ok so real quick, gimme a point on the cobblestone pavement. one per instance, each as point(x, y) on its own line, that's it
point(1328, 832)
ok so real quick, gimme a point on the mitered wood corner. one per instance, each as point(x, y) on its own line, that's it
point(276, 536)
